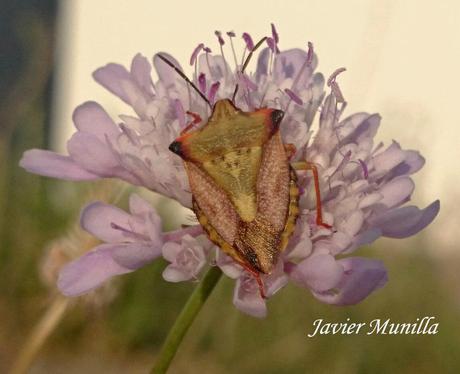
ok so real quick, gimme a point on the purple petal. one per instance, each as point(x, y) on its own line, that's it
point(177, 235)
point(406, 221)
point(136, 255)
point(93, 154)
point(102, 263)
point(248, 83)
point(138, 206)
point(187, 259)
point(175, 274)
point(300, 250)
point(90, 270)
point(351, 223)
point(170, 251)
point(53, 165)
point(335, 244)
point(362, 276)
point(318, 272)
point(412, 163)
point(180, 112)
point(359, 127)
point(213, 67)
point(112, 77)
point(90, 117)
point(364, 238)
point(141, 73)
point(262, 64)
point(288, 65)
point(142, 209)
point(100, 219)
point(370, 199)
point(396, 191)
point(276, 280)
point(350, 123)
point(229, 267)
point(389, 158)
point(246, 297)
point(166, 74)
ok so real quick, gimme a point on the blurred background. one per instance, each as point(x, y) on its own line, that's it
point(402, 60)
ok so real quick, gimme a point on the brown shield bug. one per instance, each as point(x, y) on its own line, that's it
point(244, 188)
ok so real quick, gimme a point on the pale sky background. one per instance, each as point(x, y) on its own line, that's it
point(402, 60)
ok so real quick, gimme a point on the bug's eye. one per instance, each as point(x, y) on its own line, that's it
point(277, 116)
point(176, 147)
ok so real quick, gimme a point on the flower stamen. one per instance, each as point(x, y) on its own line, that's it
point(195, 53)
point(213, 90)
point(193, 57)
point(331, 82)
point(208, 50)
point(231, 35)
point(248, 40)
point(364, 167)
point(129, 232)
point(221, 44)
point(275, 35)
point(202, 82)
point(306, 64)
point(293, 96)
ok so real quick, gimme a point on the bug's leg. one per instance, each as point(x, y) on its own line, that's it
point(290, 150)
point(256, 276)
point(305, 165)
point(196, 119)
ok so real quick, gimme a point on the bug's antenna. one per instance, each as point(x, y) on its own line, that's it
point(246, 62)
point(186, 79)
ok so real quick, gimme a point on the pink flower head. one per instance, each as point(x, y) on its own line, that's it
point(364, 186)
point(131, 240)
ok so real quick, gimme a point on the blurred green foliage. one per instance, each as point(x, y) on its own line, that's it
point(223, 340)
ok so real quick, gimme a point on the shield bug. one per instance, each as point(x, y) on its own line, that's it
point(244, 188)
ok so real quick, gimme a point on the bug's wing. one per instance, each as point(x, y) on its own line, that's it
point(215, 237)
point(214, 202)
point(273, 184)
point(261, 239)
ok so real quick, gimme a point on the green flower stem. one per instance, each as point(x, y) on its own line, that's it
point(185, 319)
